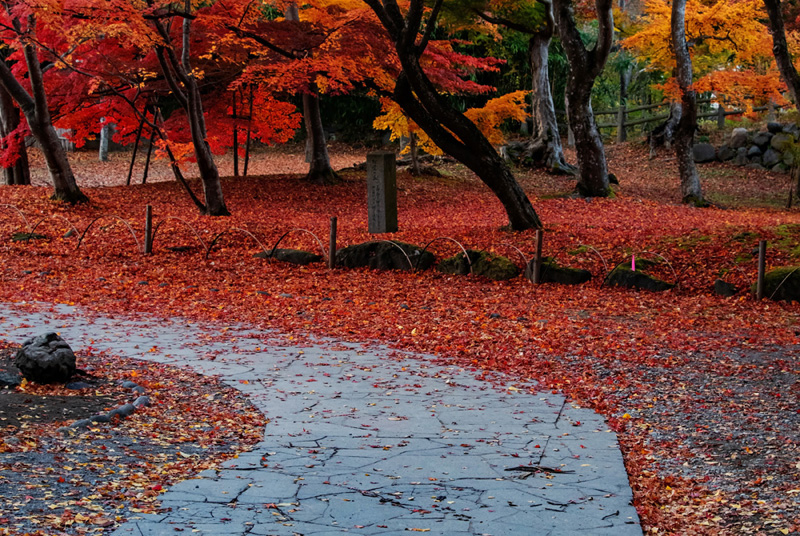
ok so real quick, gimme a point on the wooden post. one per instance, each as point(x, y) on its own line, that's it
point(720, 117)
point(622, 134)
point(382, 192)
point(762, 257)
point(537, 260)
point(332, 245)
point(148, 230)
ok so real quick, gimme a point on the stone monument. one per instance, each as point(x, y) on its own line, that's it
point(382, 192)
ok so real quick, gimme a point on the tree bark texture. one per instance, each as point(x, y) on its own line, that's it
point(584, 67)
point(37, 113)
point(319, 169)
point(691, 191)
point(178, 73)
point(19, 173)
point(545, 143)
point(454, 133)
point(781, 49)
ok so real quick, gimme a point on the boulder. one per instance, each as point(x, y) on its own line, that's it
point(725, 153)
point(780, 167)
point(770, 158)
point(741, 156)
point(46, 359)
point(762, 139)
point(10, 379)
point(756, 164)
point(788, 158)
point(704, 152)
point(484, 263)
point(722, 288)
point(623, 276)
point(782, 141)
point(774, 127)
point(754, 151)
point(384, 256)
point(552, 272)
point(782, 284)
point(294, 256)
point(738, 138)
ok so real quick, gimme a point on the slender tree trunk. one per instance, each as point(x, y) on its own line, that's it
point(136, 146)
point(781, 49)
point(19, 173)
point(544, 147)
point(235, 137)
point(684, 135)
point(584, 67)
point(178, 74)
point(319, 170)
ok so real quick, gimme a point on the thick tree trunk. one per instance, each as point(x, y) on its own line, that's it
point(584, 67)
point(544, 147)
point(19, 173)
point(684, 135)
point(471, 148)
point(320, 170)
point(449, 129)
point(37, 114)
point(781, 49)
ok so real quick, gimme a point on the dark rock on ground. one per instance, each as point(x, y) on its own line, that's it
point(704, 152)
point(722, 288)
point(552, 272)
point(726, 153)
point(623, 276)
point(782, 284)
point(762, 139)
point(294, 256)
point(770, 158)
point(774, 127)
point(46, 359)
point(782, 141)
point(384, 256)
point(483, 263)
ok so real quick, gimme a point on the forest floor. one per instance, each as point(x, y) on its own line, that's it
point(703, 390)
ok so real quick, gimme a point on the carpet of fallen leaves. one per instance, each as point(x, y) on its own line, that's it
point(88, 481)
point(702, 389)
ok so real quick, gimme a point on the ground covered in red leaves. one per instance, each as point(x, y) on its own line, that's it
point(702, 389)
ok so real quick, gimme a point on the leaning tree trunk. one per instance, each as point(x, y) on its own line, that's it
point(584, 67)
point(544, 147)
point(691, 191)
point(40, 123)
point(453, 132)
point(19, 173)
point(781, 49)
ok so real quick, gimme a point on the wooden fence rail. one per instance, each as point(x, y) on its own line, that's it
point(623, 121)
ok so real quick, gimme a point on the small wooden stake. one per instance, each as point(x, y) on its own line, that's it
point(537, 260)
point(332, 245)
point(148, 230)
point(762, 257)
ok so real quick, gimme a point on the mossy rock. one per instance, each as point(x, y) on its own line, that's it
point(552, 272)
point(623, 276)
point(294, 256)
point(486, 264)
point(385, 256)
point(782, 284)
point(24, 237)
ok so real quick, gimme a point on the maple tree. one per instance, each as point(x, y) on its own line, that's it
point(534, 19)
point(449, 129)
point(585, 65)
point(14, 153)
point(20, 31)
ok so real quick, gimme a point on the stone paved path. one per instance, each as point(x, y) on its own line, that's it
point(369, 442)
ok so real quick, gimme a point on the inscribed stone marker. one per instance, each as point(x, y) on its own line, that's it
point(382, 192)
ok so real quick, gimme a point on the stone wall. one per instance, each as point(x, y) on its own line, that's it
point(772, 149)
